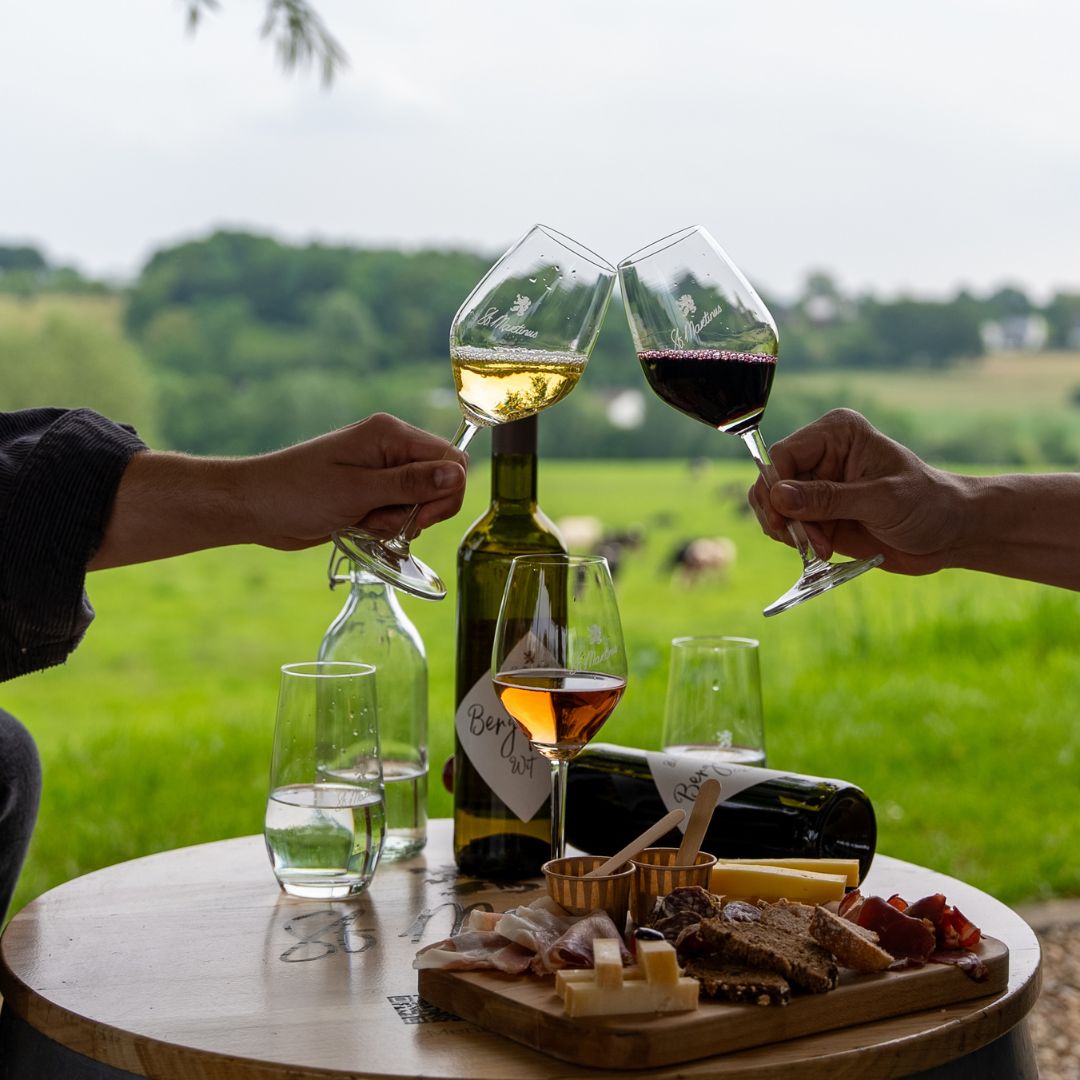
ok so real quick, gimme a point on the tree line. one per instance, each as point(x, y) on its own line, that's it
point(239, 343)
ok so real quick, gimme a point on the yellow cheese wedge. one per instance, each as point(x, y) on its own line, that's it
point(848, 867)
point(607, 963)
point(659, 962)
point(636, 996)
point(740, 882)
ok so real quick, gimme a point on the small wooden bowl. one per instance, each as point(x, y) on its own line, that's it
point(656, 874)
point(579, 895)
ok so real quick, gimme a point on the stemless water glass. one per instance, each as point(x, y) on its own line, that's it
point(713, 702)
point(518, 344)
point(709, 347)
point(325, 815)
point(558, 661)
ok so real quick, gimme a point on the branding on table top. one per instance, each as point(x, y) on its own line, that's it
point(500, 320)
point(688, 309)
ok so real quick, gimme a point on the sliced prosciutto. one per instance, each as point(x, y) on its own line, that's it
point(475, 950)
point(575, 948)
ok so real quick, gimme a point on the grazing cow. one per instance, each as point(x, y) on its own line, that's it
point(580, 534)
point(586, 536)
point(613, 546)
point(707, 556)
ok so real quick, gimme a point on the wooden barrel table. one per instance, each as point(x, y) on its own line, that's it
point(192, 964)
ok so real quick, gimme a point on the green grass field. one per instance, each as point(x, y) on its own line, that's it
point(950, 699)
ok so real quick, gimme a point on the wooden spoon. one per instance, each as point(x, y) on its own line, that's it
point(700, 817)
point(636, 847)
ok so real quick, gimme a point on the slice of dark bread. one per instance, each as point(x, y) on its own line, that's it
point(732, 982)
point(779, 942)
point(852, 946)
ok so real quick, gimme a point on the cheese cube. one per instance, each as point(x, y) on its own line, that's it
point(638, 996)
point(607, 962)
point(658, 961)
point(739, 881)
point(847, 867)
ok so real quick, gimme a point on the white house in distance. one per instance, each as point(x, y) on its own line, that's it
point(1015, 333)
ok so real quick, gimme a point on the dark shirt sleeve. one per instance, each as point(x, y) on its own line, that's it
point(59, 471)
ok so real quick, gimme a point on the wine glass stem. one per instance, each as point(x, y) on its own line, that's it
point(758, 451)
point(558, 809)
point(462, 437)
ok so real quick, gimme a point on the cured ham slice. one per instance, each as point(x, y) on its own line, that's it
point(898, 934)
point(574, 948)
point(540, 937)
point(536, 927)
point(473, 950)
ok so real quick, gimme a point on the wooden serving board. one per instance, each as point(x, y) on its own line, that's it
point(526, 1008)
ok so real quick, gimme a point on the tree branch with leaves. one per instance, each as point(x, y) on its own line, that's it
point(300, 36)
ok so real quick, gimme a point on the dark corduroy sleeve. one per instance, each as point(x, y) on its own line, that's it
point(59, 471)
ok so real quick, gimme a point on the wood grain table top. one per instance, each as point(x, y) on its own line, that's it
point(192, 963)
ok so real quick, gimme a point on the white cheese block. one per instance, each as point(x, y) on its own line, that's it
point(607, 963)
point(565, 976)
point(659, 962)
point(637, 996)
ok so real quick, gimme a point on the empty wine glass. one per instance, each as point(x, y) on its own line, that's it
point(518, 344)
point(709, 348)
point(558, 661)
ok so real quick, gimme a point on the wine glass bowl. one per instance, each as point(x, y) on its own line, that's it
point(518, 344)
point(558, 660)
point(709, 347)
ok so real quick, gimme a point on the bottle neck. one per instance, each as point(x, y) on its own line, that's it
point(513, 462)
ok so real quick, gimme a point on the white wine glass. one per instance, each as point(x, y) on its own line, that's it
point(518, 344)
point(709, 348)
point(558, 660)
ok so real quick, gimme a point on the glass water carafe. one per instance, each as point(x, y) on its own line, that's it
point(373, 629)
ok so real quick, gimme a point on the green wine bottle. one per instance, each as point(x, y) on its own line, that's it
point(616, 792)
point(502, 814)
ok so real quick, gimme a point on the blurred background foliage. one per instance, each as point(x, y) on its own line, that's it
point(238, 343)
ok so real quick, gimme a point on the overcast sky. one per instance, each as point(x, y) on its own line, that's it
point(917, 146)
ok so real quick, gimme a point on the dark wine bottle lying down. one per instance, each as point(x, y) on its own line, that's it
point(616, 792)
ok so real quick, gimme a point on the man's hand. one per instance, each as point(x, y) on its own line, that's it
point(370, 473)
point(860, 493)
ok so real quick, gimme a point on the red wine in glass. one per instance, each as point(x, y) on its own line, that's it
point(708, 347)
point(726, 390)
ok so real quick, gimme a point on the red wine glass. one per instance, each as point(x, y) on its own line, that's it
point(709, 348)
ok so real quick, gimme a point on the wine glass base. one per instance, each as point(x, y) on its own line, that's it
point(814, 584)
point(399, 568)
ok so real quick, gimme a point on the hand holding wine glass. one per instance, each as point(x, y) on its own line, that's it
point(518, 344)
point(709, 348)
point(558, 660)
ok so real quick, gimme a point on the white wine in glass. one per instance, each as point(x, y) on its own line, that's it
point(518, 344)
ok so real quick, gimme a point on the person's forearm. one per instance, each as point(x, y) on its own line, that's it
point(169, 504)
point(1023, 527)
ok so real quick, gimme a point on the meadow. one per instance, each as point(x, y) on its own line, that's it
point(950, 699)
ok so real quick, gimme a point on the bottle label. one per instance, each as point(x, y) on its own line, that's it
point(678, 777)
point(499, 751)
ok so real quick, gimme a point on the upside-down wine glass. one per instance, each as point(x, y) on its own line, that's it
point(709, 348)
point(518, 344)
point(558, 661)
